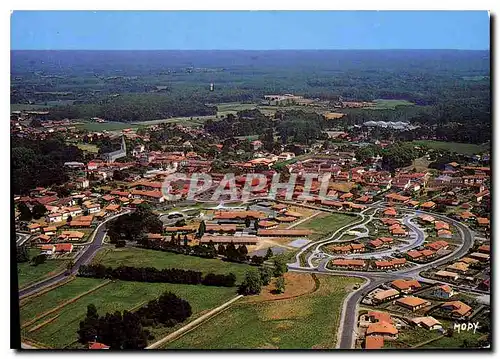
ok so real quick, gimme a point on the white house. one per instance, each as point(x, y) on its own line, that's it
point(55, 217)
point(443, 292)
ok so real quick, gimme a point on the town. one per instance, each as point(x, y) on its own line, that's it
point(327, 199)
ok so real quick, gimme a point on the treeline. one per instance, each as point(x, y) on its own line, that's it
point(40, 163)
point(244, 123)
point(154, 275)
point(135, 107)
point(127, 330)
point(230, 252)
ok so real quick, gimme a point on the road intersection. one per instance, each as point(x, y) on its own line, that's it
point(346, 331)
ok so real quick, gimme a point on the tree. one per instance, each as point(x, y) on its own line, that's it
point(24, 212)
point(247, 222)
point(242, 251)
point(201, 229)
point(221, 250)
point(280, 266)
point(69, 219)
point(39, 211)
point(265, 275)
point(22, 254)
point(39, 259)
point(256, 225)
point(185, 240)
point(269, 253)
point(252, 284)
point(89, 326)
point(280, 285)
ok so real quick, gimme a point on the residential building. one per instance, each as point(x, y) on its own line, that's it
point(412, 303)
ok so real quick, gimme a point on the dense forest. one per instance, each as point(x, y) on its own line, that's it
point(40, 163)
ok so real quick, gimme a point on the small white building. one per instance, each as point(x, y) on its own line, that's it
point(443, 292)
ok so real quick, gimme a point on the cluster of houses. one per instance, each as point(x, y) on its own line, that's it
point(368, 264)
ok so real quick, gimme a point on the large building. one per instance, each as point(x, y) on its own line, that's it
point(113, 156)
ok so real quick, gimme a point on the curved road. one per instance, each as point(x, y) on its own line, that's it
point(89, 252)
point(374, 279)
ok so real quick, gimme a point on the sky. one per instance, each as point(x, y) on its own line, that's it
point(249, 30)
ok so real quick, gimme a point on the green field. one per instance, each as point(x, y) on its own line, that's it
point(389, 104)
point(88, 147)
point(308, 321)
point(105, 126)
point(28, 274)
point(118, 295)
point(326, 223)
point(138, 257)
point(26, 107)
point(194, 121)
point(465, 148)
point(233, 107)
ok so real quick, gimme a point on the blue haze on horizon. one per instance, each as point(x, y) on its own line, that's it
point(249, 30)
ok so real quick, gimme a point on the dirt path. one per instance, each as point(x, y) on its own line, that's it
point(195, 323)
point(304, 220)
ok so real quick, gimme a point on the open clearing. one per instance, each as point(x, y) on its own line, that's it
point(382, 104)
point(28, 274)
point(139, 257)
point(307, 321)
point(325, 223)
point(105, 126)
point(465, 148)
point(87, 147)
point(118, 295)
point(186, 121)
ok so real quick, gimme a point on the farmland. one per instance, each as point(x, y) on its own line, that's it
point(138, 257)
point(389, 104)
point(28, 274)
point(117, 295)
point(465, 148)
point(307, 321)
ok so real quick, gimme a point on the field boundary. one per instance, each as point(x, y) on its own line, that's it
point(27, 298)
point(36, 327)
point(72, 300)
point(195, 323)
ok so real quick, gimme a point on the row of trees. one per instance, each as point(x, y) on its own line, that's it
point(127, 330)
point(154, 275)
point(133, 226)
point(177, 244)
point(27, 214)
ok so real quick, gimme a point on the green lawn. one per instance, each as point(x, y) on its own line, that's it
point(119, 295)
point(454, 341)
point(389, 104)
point(132, 256)
point(412, 336)
point(105, 126)
point(28, 274)
point(88, 147)
point(465, 148)
point(298, 323)
point(325, 224)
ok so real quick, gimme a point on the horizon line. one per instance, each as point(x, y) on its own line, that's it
point(340, 49)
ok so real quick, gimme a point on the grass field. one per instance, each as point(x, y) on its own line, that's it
point(105, 126)
point(465, 148)
point(132, 256)
point(233, 107)
point(26, 107)
point(88, 147)
point(28, 274)
point(118, 295)
point(326, 223)
point(389, 104)
point(194, 121)
point(308, 321)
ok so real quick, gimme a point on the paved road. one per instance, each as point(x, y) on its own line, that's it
point(88, 252)
point(350, 307)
